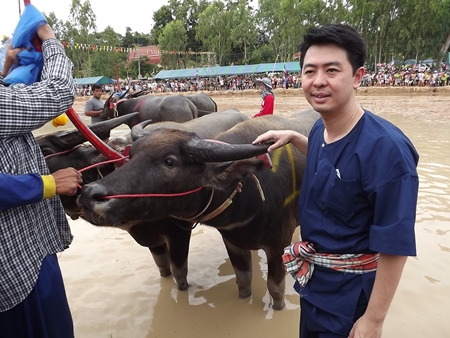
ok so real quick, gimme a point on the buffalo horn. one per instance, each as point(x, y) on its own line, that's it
point(201, 150)
point(123, 95)
point(139, 93)
point(137, 130)
point(102, 129)
point(108, 101)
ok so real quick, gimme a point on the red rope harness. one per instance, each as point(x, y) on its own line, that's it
point(125, 195)
point(138, 195)
point(62, 152)
point(100, 163)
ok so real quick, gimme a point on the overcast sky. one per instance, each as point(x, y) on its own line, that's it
point(119, 14)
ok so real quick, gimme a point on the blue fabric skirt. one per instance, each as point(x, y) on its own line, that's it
point(45, 312)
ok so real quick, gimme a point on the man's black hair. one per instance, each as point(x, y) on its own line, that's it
point(341, 35)
point(96, 86)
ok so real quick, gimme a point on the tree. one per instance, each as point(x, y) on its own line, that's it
point(243, 29)
point(57, 25)
point(214, 30)
point(173, 38)
point(161, 18)
point(131, 39)
point(103, 62)
point(146, 68)
point(187, 11)
point(80, 27)
point(235, 33)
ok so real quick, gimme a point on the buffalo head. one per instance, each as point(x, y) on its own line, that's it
point(110, 106)
point(167, 164)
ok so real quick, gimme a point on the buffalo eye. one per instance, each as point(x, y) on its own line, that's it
point(170, 162)
point(46, 152)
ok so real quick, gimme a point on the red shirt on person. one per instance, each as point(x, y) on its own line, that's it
point(266, 106)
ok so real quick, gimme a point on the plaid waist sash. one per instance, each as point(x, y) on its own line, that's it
point(300, 257)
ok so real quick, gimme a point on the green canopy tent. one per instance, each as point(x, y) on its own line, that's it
point(228, 70)
point(93, 80)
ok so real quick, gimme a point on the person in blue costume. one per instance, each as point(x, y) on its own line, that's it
point(33, 302)
point(358, 198)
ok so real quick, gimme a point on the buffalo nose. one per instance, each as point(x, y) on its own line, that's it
point(92, 194)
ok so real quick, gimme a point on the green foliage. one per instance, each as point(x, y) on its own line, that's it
point(263, 54)
point(235, 33)
point(173, 37)
point(214, 31)
point(243, 29)
point(147, 69)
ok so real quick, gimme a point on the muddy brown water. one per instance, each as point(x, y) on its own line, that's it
point(115, 291)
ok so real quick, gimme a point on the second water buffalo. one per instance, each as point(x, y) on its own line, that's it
point(215, 183)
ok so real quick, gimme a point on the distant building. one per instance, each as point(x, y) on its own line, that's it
point(151, 52)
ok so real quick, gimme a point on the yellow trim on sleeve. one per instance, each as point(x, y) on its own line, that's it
point(49, 186)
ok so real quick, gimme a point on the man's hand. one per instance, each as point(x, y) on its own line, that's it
point(364, 327)
point(10, 59)
point(67, 181)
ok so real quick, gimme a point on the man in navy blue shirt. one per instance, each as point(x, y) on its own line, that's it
point(358, 198)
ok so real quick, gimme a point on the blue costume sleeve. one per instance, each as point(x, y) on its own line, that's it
point(392, 231)
point(17, 190)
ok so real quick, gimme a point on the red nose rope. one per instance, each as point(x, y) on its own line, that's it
point(93, 165)
point(130, 195)
point(153, 195)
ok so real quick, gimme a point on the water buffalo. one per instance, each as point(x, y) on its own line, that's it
point(204, 103)
point(205, 126)
point(167, 239)
point(156, 108)
point(183, 177)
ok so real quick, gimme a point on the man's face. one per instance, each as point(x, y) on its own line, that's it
point(327, 78)
point(98, 93)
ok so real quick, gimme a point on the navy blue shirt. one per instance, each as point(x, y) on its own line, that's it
point(358, 195)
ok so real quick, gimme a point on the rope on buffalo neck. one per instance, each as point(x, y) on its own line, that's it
point(258, 186)
point(199, 218)
point(196, 217)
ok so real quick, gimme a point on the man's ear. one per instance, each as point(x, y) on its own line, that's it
point(358, 77)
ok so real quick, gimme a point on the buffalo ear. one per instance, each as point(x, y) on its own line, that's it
point(138, 130)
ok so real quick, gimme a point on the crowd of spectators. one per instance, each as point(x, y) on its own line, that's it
point(407, 77)
point(386, 77)
point(220, 83)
